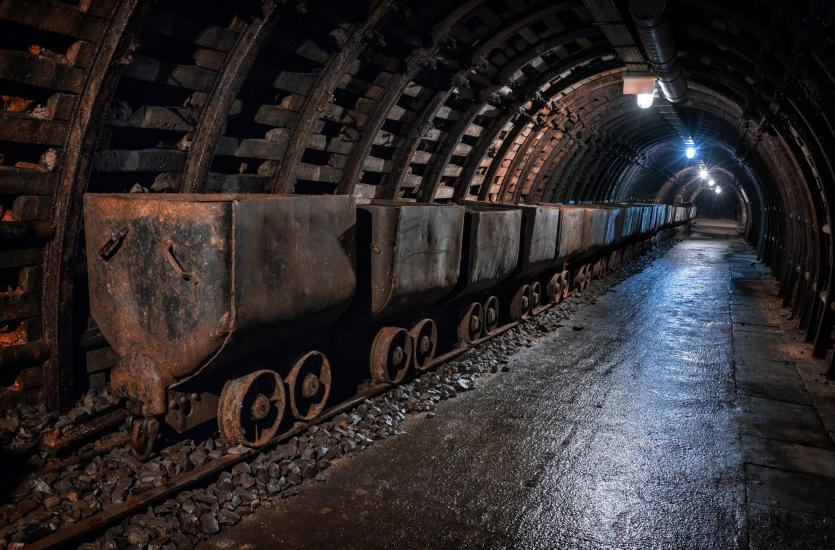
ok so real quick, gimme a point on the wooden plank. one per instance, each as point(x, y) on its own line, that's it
point(140, 160)
point(40, 71)
point(13, 234)
point(14, 307)
point(169, 24)
point(52, 16)
point(23, 355)
point(61, 106)
point(158, 118)
point(20, 258)
point(28, 181)
point(22, 128)
point(190, 77)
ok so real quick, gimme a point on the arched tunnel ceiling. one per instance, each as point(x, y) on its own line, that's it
point(500, 100)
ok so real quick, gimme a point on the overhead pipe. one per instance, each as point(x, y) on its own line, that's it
point(656, 34)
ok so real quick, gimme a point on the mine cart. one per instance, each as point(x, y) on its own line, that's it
point(539, 252)
point(646, 219)
point(632, 224)
point(408, 259)
point(184, 286)
point(614, 234)
point(578, 230)
point(597, 229)
point(572, 229)
point(660, 211)
point(490, 255)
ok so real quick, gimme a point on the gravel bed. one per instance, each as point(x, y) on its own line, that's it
point(45, 502)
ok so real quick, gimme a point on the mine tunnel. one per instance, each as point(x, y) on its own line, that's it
point(395, 274)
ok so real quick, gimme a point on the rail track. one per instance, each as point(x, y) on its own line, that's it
point(81, 530)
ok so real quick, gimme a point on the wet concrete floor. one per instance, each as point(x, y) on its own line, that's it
point(674, 419)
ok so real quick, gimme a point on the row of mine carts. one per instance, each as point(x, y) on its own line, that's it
point(236, 306)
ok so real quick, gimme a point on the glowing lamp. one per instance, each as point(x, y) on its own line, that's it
point(644, 100)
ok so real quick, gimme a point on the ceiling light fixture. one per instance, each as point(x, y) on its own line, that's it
point(641, 85)
point(703, 174)
point(690, 151)
point(711, 183)
point(718, 190)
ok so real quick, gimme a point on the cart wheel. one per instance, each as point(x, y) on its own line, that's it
point(536, 296)
point(553, 290)
point(491, 314)
point(566, 283)
point(143, 435)
point(520, 304)
point(598, 268)
point(470, 323)
point(580, 278)
point(309, 385)
point(391, 355)
point(251, 408)
point(424, 337)
point(613, 260)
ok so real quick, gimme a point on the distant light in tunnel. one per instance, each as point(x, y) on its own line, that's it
point(645, 100)
point(703, 174)
point(718, 190)
point(711, 183)
point(690, 152)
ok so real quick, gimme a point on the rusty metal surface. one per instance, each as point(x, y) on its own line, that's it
point(470, 323)
point(391, 355)
point(251, 408)
point(309, 385)
point(424, 337)
point(520, 303)
point(143, 435)
point(182, 281)
point(490, 246)
point(185, 410)
point(414, 254)
point(491, 314)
